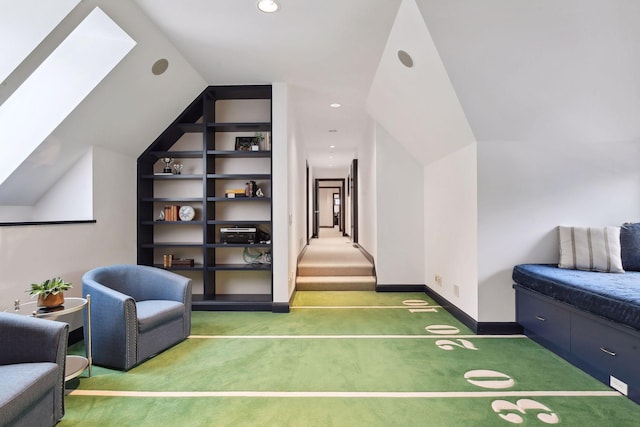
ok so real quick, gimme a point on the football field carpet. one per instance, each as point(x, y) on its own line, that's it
point(346, 359)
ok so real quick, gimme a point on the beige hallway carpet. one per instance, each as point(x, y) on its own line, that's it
point(332, 263)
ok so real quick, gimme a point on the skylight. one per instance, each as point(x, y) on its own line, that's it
point(58, 85)
point(23, 25)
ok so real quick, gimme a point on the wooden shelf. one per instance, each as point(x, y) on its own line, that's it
point(239, 153)
point(241, 267)
point(239, 176)
point(240, 127)
point(203, 118)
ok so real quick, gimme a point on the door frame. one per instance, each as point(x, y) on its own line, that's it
point(316, 204)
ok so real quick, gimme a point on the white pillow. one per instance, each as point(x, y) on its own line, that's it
point(590, 248)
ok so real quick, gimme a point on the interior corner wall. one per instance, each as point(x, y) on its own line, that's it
point(451, 228)
point(526, 189)
point(37, 252)
point(282, 194)
point(400, 213)
point(71, 197)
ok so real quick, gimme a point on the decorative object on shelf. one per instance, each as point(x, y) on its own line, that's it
point(167, 260)
point(267, 142)
point(259, 192)
point(161, 216)
point(186, 213)
point(50, 292)
point(178, 168)
point(264, 141)
point(245, 143)
point(250, 189)
point(167, 164)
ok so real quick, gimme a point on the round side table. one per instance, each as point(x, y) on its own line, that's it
point(74, 365)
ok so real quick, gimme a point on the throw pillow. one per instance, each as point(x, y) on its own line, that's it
point(590, 248)
point(630, 246)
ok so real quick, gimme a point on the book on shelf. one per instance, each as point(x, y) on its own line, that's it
point(171, 212)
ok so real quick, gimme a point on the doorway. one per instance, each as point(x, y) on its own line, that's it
point(328, 209)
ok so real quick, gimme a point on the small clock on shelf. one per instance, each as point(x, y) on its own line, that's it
point(186, 213)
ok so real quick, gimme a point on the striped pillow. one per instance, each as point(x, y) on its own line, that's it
point(590, 248)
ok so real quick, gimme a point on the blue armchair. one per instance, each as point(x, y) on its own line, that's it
point(136, 312)
point(32, 361)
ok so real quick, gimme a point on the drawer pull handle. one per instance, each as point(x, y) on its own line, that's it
point(610, 353)
point(540, 318)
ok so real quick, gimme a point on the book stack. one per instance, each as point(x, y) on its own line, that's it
point(235, 193)
point(171, 213)
point(182, 262)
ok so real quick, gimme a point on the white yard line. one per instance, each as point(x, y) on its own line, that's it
point(334, 307)
point(338, 337)
point(345, 394)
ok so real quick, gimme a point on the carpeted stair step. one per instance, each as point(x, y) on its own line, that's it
point(336, 283)
point(335, 269)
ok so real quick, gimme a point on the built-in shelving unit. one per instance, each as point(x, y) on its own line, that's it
point(225, 276)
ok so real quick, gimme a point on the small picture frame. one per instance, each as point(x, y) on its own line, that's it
point(245, 143)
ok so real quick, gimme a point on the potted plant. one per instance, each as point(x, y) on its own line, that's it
point(50, 292)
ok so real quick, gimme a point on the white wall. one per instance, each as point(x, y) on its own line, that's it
point(525, 190)
point(451, 228)
point(282, 217)
point(367, 214)
point(400, 213)
point(70, 198)
point(34, 253)
point(297, 191)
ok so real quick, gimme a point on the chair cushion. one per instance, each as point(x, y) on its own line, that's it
point(153, 313)
point(23, 384)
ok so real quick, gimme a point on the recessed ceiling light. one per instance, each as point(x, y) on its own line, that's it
point(332, 146)
point(268, 6)
point(333, 130)
point(405, 58)
point(335, 105)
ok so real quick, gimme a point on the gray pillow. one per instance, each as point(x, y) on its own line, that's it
point(630, 246)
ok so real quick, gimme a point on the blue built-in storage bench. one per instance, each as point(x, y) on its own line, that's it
point(590, 318)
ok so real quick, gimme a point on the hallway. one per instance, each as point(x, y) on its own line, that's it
point(333, 263)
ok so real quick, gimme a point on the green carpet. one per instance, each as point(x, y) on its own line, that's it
point(346, 359)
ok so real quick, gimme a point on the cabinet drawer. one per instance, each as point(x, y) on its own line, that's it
point(544, 321)
point(607, 349)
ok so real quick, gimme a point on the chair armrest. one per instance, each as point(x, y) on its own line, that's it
point(29, 339)
point(114, 326)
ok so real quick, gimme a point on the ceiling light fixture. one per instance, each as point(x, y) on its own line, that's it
point(332, 146)
point(335, 105)
point(268, 6)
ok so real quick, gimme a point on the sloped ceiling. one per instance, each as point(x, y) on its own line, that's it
point(326, 51)
point(417, 105)
point(542, 70)
point(124, 113)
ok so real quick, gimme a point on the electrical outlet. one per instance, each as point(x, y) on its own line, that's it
point(456, 290)
point(619, 385)
point(438, 279)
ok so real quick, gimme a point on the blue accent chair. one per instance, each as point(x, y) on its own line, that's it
point(32, 361)
point(137, 312)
